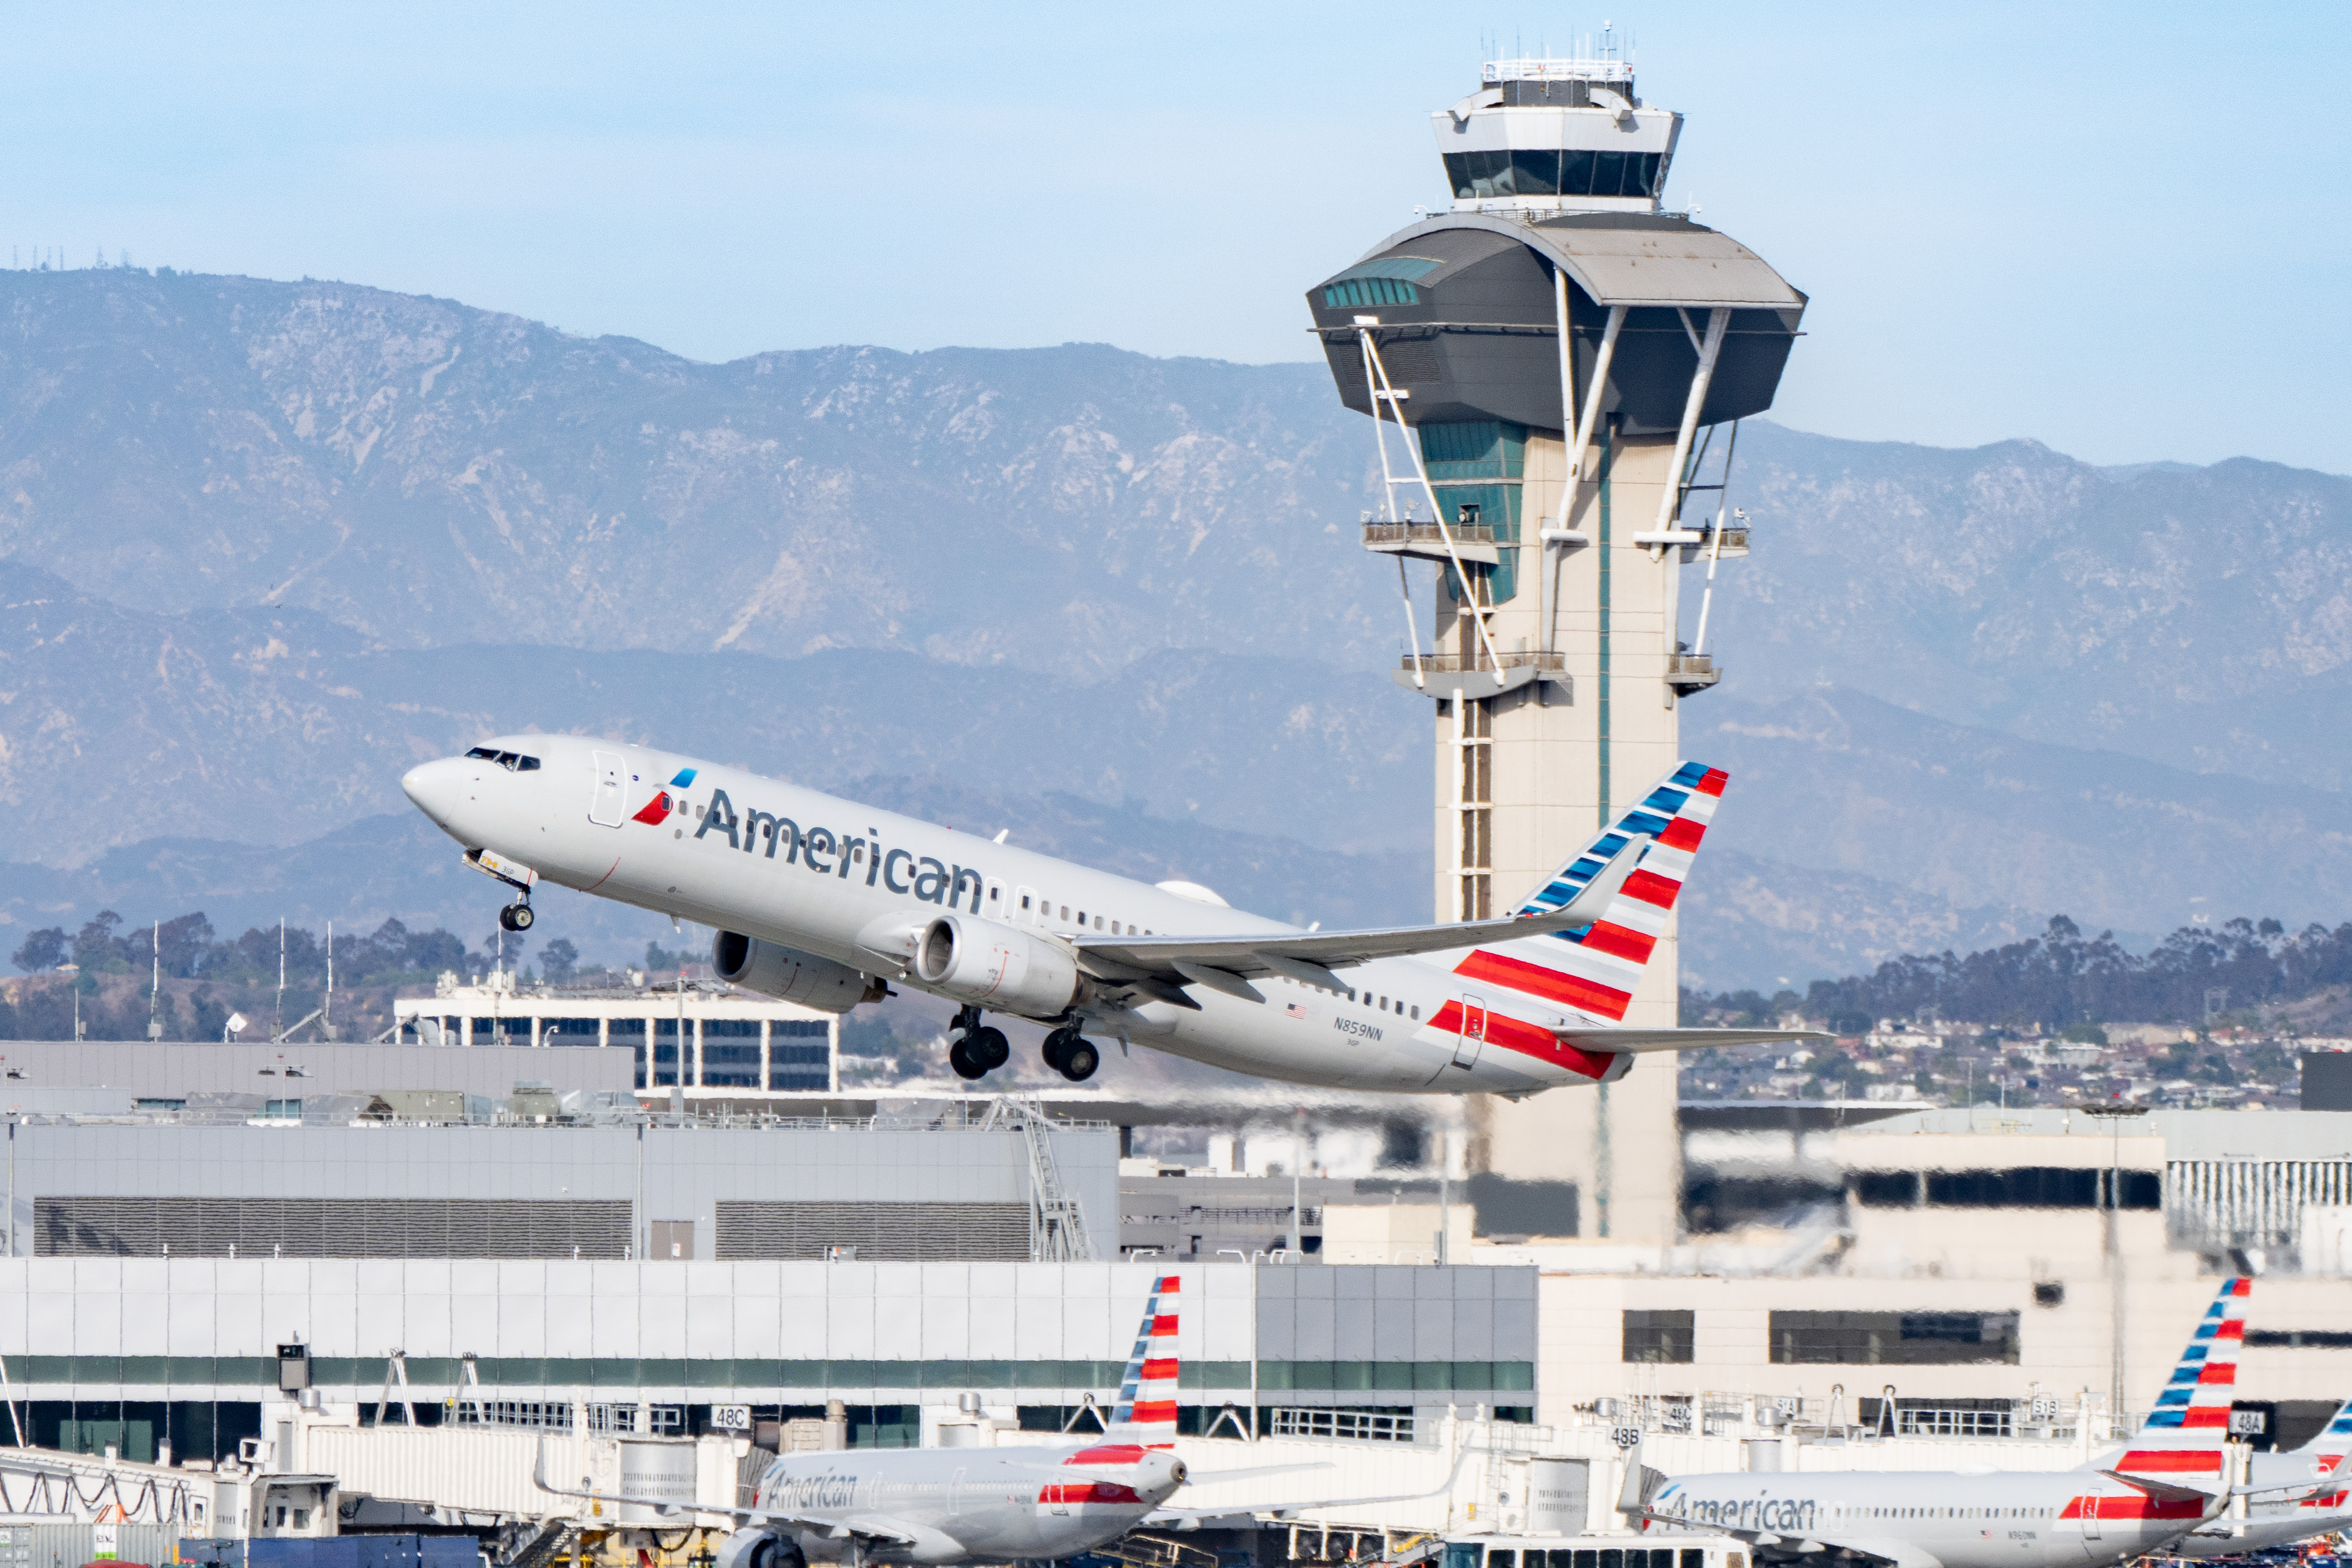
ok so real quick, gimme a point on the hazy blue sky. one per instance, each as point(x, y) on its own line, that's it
point(2119, 229)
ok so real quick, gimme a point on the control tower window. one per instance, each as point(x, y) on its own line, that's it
point(1388, 281)
point(1478, 175)
point(1358, 291)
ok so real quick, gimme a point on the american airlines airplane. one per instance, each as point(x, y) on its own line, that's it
point(824, 901)
point(2106, 1514)
point(937, 1506)
point(2185, 1440)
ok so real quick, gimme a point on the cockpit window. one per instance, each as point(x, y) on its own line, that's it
point(527, 764)
point(513, 762)
point(487, 753)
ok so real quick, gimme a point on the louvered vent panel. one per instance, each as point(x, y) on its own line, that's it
point(886, 1233)
point(329, 1227)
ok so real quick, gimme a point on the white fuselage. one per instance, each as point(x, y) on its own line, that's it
point(2066, 1519)
point(957, 1505)
point(857, 866)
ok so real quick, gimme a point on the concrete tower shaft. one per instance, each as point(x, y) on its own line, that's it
point(1545, 377)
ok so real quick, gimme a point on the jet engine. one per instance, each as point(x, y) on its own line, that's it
point(997, 967)
point(793, 977)
point(758, 1548)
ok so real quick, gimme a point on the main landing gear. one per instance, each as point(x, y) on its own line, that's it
point(977, 1050)
point(1067, 1053)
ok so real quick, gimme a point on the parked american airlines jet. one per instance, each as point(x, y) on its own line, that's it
point(959, 1505)
point(822, 901)
point(2106, 1514)
point(935, 1506)
point(2185, 1439)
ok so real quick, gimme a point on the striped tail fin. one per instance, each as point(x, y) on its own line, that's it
point(1593, 970)
point(2336, 1437)
point(1145, 1414)
point(2196, 1399)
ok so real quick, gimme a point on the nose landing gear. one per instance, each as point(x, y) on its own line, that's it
point(516, 916)
point(977, 1050)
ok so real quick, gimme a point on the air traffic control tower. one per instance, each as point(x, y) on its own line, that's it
point(1555, 368)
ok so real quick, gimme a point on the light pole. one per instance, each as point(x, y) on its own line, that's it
point(2114, 1116)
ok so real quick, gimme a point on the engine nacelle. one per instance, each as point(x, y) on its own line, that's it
point(788, 975)
point(997, 967)
point(758, 1548)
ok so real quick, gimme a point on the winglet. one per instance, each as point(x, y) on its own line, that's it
point(1633, 1496)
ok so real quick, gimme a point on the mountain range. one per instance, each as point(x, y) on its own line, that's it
point(264, 544)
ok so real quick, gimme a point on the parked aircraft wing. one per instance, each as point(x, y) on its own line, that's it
point(1271, 953)
point(2330, 1480)
point(1191, 1517)
point(865, 1526)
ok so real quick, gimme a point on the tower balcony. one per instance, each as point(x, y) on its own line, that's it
point(1426, 541)
point(1454, 675)
point(1690, 672)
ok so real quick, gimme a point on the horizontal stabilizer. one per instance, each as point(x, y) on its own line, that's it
point(2166, 1492)
point(1678, 1040)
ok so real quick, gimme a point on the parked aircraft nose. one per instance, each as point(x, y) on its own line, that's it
point(437, 788)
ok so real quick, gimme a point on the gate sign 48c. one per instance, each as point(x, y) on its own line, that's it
point(730, 1417)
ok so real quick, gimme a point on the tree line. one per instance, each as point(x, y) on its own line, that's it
point(2061, 979)
point(191, 950)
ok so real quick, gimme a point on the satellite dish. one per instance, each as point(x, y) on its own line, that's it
point(236, 1022)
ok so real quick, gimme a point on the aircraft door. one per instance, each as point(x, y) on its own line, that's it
point(2091, 1517)
point(608, 801)
point(993, 904)
point(955, 1495)
point(1025, 910)
point(1474, 1032)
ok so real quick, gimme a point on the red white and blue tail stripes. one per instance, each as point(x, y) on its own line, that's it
point(1146, 1415)
point(1593, 971)
point(2197, 1398)
point(2334, 1436)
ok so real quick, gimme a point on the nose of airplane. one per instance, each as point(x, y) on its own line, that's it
point(437, 788)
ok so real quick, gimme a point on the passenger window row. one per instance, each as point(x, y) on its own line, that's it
point(1044, 913)
point(1377, 1004)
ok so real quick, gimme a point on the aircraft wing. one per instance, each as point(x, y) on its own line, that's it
point(1175, 961)
point(864, 1526)
point(1191, 1517)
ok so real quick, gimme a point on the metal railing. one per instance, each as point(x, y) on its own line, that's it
point(1353, 1426)
point(1057, 1225)
point(1455, 664)
point(1377, 534)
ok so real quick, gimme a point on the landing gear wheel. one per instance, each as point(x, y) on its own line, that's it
point(1055, 1043)
point(989, 1047)
point(960, 1058)
point(516, 917)
point(1079, 1060)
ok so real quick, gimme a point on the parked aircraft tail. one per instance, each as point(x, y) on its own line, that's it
point(1145, 1414)
point(2196, 1398)
point(2184, 1434)
point(1593, 969)
point(2334, 1438)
